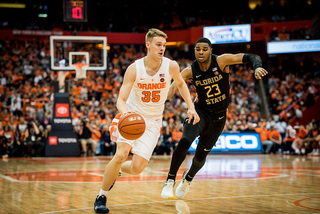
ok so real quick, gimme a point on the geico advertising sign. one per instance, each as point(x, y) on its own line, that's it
point(228, 33)
point(234, 142)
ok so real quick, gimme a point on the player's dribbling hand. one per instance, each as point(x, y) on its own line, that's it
point(260, 72)
point(193, 114)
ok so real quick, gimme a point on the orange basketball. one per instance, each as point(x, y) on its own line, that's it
point(131, 126)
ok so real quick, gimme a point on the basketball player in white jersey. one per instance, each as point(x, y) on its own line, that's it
point(144, 91)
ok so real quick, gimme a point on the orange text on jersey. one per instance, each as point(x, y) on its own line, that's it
point(152, 86)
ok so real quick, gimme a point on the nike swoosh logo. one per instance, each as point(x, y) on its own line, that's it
point(142, 78)
point(198, 76)
point(207, 150)
point(220, 118)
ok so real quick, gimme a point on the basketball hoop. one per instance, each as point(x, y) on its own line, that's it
point(81, 70)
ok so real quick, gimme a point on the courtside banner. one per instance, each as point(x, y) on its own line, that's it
point(62, 120)
point(228, 33)
point(293, 46)
point(234, 142)
point(62, 140)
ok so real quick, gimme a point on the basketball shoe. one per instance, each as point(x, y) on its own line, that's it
point(167, 191)
point(183, 187)
point(100, 204)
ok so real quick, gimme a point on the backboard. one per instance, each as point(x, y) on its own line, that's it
point(68, 50)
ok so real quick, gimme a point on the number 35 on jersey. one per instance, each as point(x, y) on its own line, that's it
point(150, 93)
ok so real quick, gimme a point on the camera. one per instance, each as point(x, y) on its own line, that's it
point(84, 120)
point(30, 125)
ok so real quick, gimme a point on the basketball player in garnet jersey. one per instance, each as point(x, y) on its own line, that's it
point(210, 76)
point(144, 90)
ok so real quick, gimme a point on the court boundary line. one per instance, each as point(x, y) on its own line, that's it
point(274, 175)
point(224, 179)
point(9, 178)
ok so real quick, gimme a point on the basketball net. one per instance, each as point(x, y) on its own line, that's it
point(81, 70)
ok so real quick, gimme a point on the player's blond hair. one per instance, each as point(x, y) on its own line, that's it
point(153, 32)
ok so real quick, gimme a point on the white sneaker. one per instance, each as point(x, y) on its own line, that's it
point(183, 187)
point(167, 191)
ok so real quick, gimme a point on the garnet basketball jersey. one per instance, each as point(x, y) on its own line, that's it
point(149, 93)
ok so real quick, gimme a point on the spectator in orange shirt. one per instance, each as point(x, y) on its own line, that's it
point(298, 144)
point(261, 129)
point(95, 136)
point(275, 136)
point(107, 85)
point(46, 88)
point(76, 89)
point(176, 134)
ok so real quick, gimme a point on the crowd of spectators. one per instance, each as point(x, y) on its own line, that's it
point(128, 16)
point(301, 33)
point(26, 87)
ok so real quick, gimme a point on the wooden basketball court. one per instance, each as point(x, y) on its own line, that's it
point(226, 184)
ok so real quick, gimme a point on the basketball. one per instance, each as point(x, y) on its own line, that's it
point(131, 126)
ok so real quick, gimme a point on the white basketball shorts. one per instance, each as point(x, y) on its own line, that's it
point(145, 145)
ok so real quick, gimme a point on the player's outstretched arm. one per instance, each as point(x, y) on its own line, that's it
point(256, 62)
point(128, 80)
point(184, 91)
point(229, 59)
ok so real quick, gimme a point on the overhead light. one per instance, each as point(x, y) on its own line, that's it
point(100, 46)
point(12, 5)
point(175, 43)
point(42, 15)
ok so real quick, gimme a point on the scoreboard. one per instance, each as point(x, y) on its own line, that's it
point(75, 11)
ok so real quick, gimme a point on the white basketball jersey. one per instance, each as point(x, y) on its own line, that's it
point(149, 93)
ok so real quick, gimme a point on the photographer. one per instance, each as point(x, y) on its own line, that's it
point(85, 136)
point(33, 140)
point(107, 146)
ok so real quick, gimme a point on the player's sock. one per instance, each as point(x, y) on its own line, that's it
point(188, 177)
point(171, 176)
point(103, 192)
